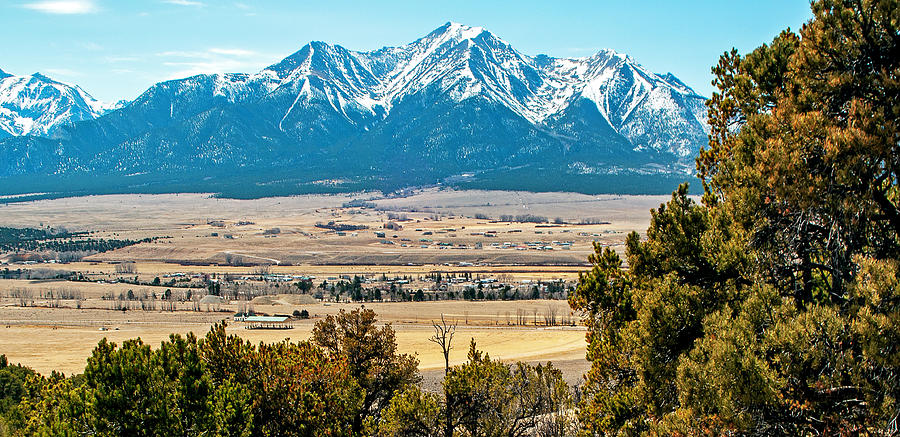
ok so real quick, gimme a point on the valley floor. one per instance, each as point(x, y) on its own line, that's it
point(240, 242)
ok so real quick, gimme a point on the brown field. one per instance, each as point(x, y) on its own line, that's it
point(447, 215)
point(61, 339)
point(200, 234)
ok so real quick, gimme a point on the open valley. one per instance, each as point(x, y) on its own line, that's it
point(257, 252)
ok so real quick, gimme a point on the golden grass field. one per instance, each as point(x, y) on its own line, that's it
point(61, 339)
point(207, 236)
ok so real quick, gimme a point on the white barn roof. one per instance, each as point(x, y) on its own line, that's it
point(265, 319)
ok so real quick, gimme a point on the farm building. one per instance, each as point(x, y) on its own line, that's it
point(265, 322)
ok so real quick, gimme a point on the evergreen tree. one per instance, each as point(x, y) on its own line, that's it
point(485, 397)
point(220, 385)
point(372, 359)
point(765, 309)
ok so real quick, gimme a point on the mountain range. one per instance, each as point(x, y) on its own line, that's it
point(38, 105)
point(458, 106)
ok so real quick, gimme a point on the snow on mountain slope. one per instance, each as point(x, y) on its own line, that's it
point(655, 112)
point(323, 73)
point(460, 62)
point(454, 61)
point(37, 105)
point(457, 101)
point(652, 111)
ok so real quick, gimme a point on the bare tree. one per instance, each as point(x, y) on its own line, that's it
point(550, 318)
point(126, 267)
point(443, 336)
point(25, 296)
point(261, 270)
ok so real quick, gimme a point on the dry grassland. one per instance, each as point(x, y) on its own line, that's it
point(205, 235)
point(207, 230)
point(62, 338)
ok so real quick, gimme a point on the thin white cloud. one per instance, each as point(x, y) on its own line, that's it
point(213, 60)
point(245, 7)
point(67, 7)
point(583, 50)
point(185, 3)
point(62, 72)
point(92, 46)
point(215, 52)
point(117, 59)
point(183, 54)
point(232, 52)
point(187, 69)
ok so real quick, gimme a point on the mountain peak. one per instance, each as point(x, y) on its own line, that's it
point(319, 44)
point(458, 31)
point(455, 100)
point(610, 54)
point(38, 105)
point(42, 77)
point(316, 57)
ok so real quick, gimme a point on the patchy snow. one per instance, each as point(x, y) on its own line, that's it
point(37, 105)
point(455, 61)
point(462, 62)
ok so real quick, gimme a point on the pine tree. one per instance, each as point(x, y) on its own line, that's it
point(765, 309)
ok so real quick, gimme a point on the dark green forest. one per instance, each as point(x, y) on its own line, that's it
point(770, 306)
point(29, 239)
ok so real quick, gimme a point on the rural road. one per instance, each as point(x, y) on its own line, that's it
point(253, 256)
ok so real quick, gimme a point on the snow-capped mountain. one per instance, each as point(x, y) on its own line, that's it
point(38, 105)
point(458, 101)
point(461, 62)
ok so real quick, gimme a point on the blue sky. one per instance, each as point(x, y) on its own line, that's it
point(115, 49)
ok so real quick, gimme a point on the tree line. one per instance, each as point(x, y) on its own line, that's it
point(30, 239)
point(347, 380)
